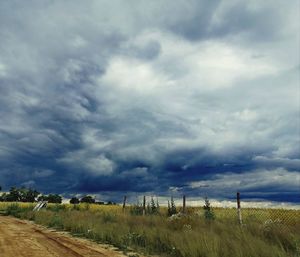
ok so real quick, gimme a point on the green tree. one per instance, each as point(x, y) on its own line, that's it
point(42, 198)
point(208, 212)
point(74, 200)
point(51, 198)
point(13, 195)
point(54, 198)
point(87, 199)
point(3, 197)
point(20, 195)
point(157, 204)
point(28, 195)
point(172, 207)
point(154, 208)
point(136, 209)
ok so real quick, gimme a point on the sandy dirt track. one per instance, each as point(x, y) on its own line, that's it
point(20, 238)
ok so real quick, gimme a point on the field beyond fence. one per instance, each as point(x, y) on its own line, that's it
point(264, 232)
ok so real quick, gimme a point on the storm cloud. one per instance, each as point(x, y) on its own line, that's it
point(158, 97)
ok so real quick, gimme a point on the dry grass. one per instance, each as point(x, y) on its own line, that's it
point(266, 233)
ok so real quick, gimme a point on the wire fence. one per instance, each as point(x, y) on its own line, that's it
point(235, 211)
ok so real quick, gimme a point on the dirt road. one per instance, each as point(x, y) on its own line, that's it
point(20, 238)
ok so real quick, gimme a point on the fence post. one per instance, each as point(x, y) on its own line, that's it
point(144, 205)
point(124, 203)
point(183, 204)
point(238, 200)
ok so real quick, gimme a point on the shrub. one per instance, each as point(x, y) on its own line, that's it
point(208, 212)
point(171, 207)
point(74, 200)
point(87, 199)
point(14, 210)
point(154, 207)
point(56, 207)
point(136, 209)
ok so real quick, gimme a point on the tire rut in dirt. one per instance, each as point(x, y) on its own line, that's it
point(57, 242)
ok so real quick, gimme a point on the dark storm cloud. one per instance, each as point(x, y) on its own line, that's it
point(195, 97)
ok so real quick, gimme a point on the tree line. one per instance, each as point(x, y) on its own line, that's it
point(30, 195)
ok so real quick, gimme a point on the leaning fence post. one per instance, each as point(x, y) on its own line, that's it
point(124, 203)
point(183, 204)
point(144, 205)
point(238, 200)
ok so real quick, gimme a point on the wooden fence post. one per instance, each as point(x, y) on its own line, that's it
point(238, 200)
point(183, 204)
point(144, 205)
point(124, 203)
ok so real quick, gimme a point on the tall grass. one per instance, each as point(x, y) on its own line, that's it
point(180, 236)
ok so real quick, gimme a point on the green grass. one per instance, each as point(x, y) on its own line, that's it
point(263, 235)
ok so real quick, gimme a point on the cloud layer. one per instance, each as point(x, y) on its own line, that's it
point(116, 97)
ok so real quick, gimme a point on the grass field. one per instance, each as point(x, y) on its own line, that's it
point(265, 233)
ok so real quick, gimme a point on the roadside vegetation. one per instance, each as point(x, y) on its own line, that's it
point(28, 195)
point(164, 231)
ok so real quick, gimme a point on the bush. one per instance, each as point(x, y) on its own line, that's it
point(74, 200)
point(152, 208)
point(208, 212)
point(171, 208)
point(14, 210)
point(108, 217)
point(18, 211)
point(56, 207)
point(87, 199)
point(136, 209)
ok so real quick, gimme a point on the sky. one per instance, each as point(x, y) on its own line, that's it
point(163, 98)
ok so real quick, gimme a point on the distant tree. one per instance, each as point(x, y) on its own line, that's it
point(28, 195)
point(148, 208)
point(20, 195)
point(2, 197)
point(32, 195)
point(208, 212)
point(51, 198)
point(172, 207)
point(42, 198)
point(136, 209)
point(157, 204)
point(74, 200)
point(13, 195)
point(54, 198)
point(87, 199)
point(154, 207)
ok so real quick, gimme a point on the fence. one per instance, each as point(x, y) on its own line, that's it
point(239, 212)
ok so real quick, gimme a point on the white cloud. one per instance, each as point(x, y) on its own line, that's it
point(94, 139)
point(254, 180)
point(133, 75)
point(285, 162)
point(89, 162)
point(100, 165)
point(3, 70)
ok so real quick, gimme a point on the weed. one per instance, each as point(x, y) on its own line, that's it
point(181, 235)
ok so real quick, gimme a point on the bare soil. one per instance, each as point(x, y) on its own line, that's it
point(19, 238)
